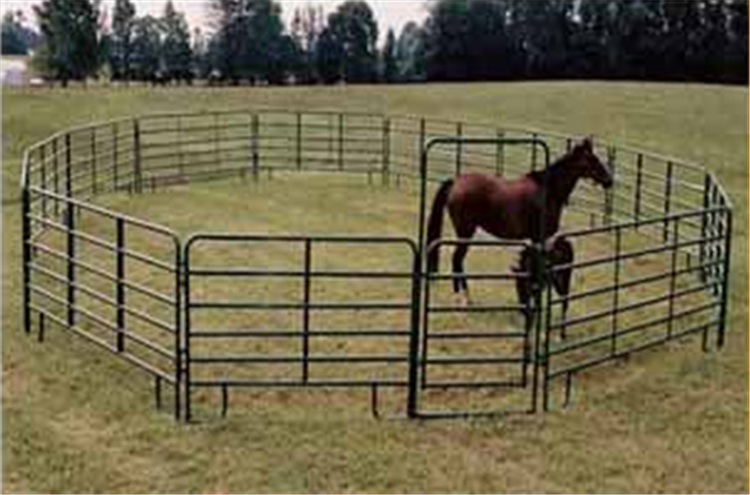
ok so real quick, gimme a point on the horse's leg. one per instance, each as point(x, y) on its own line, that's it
point(458, 267)
point(459, 282)
point(561, 283)
point(523, 291)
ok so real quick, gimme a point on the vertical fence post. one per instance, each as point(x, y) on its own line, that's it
point(423, 177)
point(420, 147)
point(26, 248)
point(43, 178)
point(702, 250)
point(341, 142)
point(414, 341)
point(56, 176)
point(93, 162)
point(459, 148)
point(425, 330)
point(138, 172)
point(638, 187)
point(386, 151)
point(534, 136)
point(255, 125)
point(330, 131)
point(306, 311)
point(500, 154)
point(673, 275)
point(609, 194)
point(217, 140)
point(713, 231)
point(120, 290)
point(71, 253)
point(115, 157)
point(68, 171)
point(616, 291)
point(541, 353)
point(543, 360)
point(180, 153)
point(186, 322)
point(299, 141)
point(179, 274)
point(667, 199)
point(725, 280)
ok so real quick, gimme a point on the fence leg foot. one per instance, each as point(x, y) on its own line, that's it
point(704, 340)
point(374, 401)
point(157, 392)
point(568, 389)
point(177, 404)
point(224, 400)
point(188, 409)
point(40, 335)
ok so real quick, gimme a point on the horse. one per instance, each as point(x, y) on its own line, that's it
point(558, 255)
point(510, 209)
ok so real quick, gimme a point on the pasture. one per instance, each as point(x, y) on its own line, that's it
point(669, 420)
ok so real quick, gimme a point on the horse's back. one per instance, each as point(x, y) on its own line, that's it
point(498, 205)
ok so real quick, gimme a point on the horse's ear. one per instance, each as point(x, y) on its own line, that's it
point(584, 146)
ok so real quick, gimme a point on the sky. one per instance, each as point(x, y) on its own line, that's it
point(389, 13)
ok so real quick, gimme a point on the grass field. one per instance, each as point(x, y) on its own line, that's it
point(669, 420)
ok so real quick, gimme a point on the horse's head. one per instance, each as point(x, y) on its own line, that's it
point(588, 165)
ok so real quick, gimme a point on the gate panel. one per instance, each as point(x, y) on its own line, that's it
point(265, 311)
point(110, 279)
point(636, 297)
point(477, 356)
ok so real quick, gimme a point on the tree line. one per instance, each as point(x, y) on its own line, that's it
point(685, 40)
point(460, 40)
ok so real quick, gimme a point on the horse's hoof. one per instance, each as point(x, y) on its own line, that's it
point(460, 300)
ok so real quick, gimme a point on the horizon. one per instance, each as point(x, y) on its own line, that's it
point(390, 14)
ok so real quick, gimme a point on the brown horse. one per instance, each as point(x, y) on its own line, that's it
point(510, 209)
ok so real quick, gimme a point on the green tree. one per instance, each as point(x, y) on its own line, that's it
point(704, 40)
point(737, 63)
point(471, 40)
point(71, 48)
point(494, 55)
point(642, 28)
point(201, 56)
point(328, 58)
point(305, 29)
point(410, 53)
point(682, 39)
point(121, 40)
point(17, 39)
point(176, 51)
point(348, 50)
point(390, 67)
point(147, 46)
point(249, 43)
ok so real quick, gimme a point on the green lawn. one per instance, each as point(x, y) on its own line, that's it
point(75, 419)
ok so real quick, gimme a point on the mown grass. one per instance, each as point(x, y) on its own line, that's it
point(669, 420)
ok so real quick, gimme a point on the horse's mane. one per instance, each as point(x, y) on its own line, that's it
point(538, 175)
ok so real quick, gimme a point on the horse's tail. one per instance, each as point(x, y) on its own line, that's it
point(435, 224)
